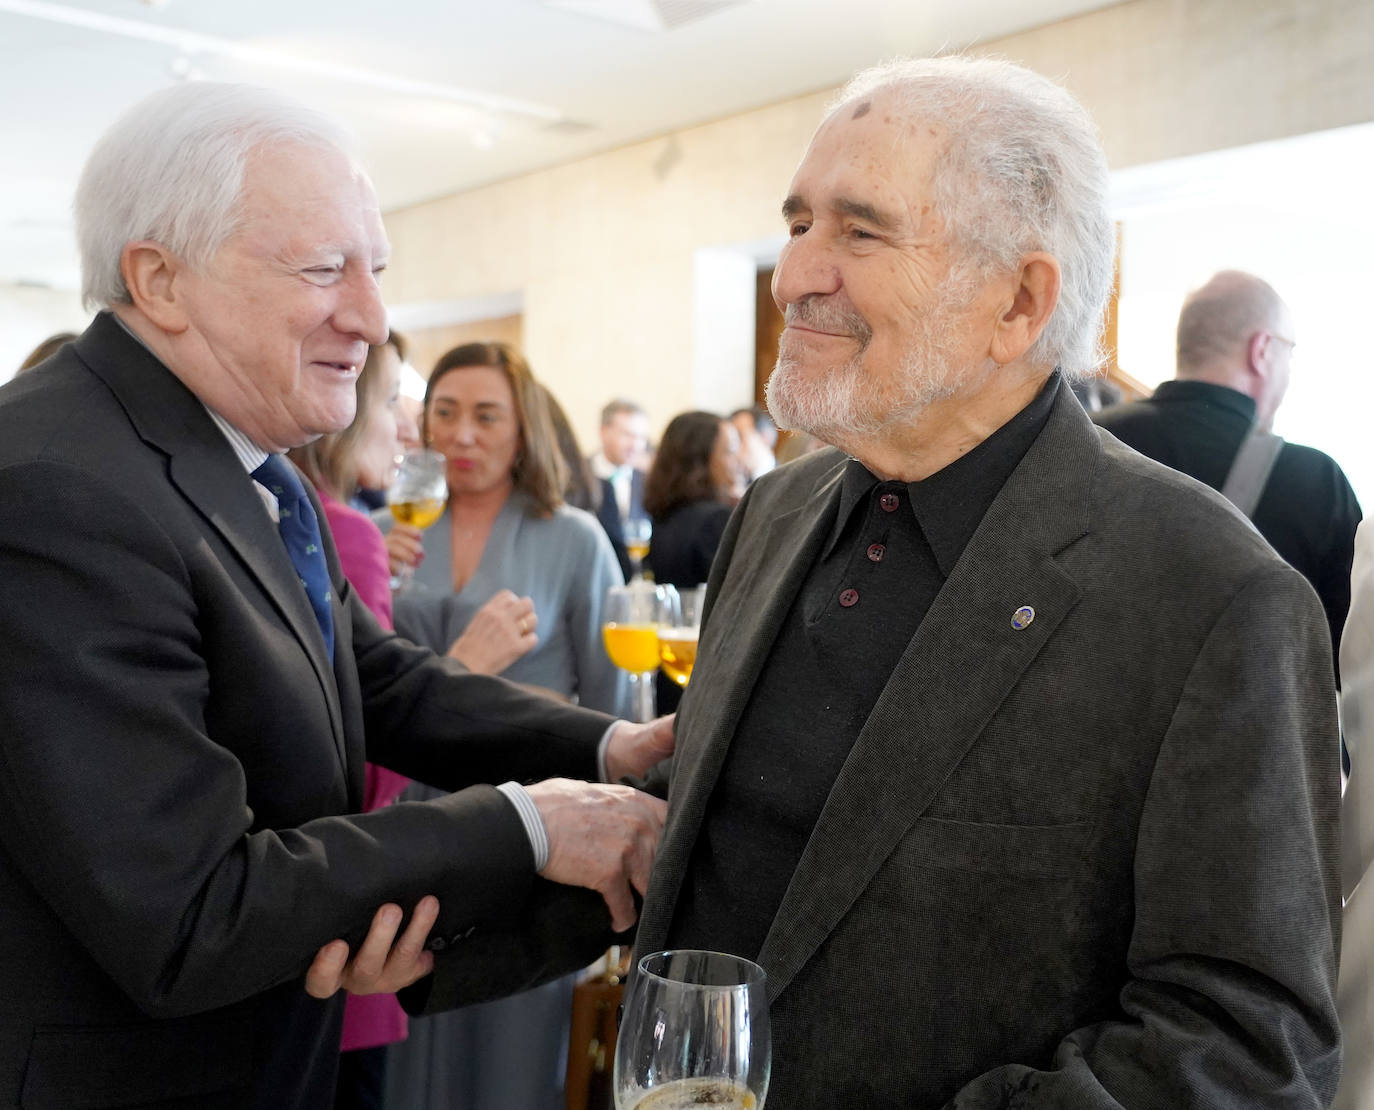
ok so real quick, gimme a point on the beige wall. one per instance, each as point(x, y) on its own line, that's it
point(602, 249)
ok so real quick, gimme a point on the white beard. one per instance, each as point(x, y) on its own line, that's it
point(840, 404)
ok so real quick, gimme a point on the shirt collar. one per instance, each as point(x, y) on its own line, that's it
point(951, 503)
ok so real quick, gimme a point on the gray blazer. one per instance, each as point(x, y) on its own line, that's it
point(1088, 863)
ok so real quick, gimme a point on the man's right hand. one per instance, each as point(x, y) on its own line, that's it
point(601, 836)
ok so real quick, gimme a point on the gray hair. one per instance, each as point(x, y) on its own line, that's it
point(171, 170)
point(1023, 170)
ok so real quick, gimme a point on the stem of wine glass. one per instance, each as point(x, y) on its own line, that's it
point(401, 581)
point(645, 702)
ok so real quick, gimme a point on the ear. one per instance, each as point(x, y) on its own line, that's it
point(1034, 296)
point(1257, 351)
point(151, 272)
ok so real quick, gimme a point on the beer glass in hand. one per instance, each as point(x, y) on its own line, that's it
point(417, 495)
point(695, 1034)
point(630, 632)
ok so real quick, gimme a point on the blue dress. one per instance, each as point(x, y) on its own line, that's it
point(510, 1054)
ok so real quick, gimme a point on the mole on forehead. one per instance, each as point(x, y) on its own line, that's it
point(862, 110)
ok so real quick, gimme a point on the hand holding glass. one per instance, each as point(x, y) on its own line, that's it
point(695, 1033)
point(417, 494)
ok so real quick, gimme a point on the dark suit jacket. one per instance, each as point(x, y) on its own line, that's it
point(177, 755)
point(608, 515)
point(1087, 863)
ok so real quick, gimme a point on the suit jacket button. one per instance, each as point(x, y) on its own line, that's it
point(436, 944)
point(849, 598)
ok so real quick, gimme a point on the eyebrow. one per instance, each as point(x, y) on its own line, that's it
point(865, 212)
point(794, 206)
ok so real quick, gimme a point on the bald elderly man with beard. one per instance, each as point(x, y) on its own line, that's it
point(1010, 755)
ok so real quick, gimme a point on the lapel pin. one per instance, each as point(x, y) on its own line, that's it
point(1022, 617)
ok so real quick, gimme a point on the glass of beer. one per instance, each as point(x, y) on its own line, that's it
point(679, 626)
point(695, 1034)
point(417, 495)
point(629, 630)
point(638, 531)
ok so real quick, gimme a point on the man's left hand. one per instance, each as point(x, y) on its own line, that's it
point(379, 967)
point(633, 749)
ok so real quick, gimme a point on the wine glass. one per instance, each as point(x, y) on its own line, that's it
point(417, 495)
point(638, 531)
point(695, 1033)
point(678, 627)
point(630, 632)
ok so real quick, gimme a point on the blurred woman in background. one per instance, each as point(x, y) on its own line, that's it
point(505, 527)
point(690, 490)
point(363, 454)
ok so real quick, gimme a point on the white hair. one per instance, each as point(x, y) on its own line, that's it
point(1022, 170)
point(171, 170)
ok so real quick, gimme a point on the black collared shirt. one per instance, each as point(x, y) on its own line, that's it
point(890, 550)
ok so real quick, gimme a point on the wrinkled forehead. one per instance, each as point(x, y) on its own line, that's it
point(318, 188)
point(872, 151)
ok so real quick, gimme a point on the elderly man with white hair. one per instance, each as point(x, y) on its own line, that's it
point(1010, 755)
point(189, 685)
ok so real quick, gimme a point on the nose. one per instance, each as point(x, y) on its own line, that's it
point(361, 311)
point(804, 269)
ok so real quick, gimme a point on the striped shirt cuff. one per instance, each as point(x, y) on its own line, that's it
point(524, 805)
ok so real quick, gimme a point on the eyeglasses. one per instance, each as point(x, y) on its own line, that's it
point(1282, 339)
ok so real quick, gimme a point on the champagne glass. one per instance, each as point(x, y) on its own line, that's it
point(678, 627)
point(417, 495)
point(695, 1034)
point(638, 531)
point(630, 632)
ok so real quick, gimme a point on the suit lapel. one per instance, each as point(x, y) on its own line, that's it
point(743, 622)
point(205, 470)
point(920, 728)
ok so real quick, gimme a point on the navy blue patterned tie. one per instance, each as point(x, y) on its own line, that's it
point(300, 531)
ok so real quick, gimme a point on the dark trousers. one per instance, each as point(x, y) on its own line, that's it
point(362, 1079)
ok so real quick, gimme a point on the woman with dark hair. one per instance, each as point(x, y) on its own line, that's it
point(506, 527)
point(688, 494)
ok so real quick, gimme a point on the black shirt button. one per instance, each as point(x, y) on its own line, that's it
point(889, 502)
point(849, 598)
point(875, 552)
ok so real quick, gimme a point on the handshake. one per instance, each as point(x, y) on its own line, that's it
point(601, 836)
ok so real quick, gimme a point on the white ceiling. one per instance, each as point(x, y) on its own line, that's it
point(444, 94)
